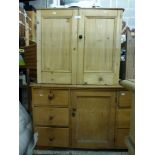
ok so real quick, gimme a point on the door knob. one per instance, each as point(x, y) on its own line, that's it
point(50, 96)
point(80, 36)
point(51, 118)
point(73, 114)
point(51, 139)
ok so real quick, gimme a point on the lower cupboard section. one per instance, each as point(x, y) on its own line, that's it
point(52, 137)
point(94, 118)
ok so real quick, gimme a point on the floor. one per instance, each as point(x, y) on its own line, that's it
point(76, 152)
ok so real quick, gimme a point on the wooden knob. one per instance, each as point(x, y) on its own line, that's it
point(100, 79)
point(51, 139)
point(51, 117)
point(50, 96)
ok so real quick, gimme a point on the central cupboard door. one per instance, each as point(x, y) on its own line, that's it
point(99, 46)
point(93, 119)
point(57, 45)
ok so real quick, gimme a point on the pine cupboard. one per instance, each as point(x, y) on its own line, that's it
point(78, 46)
point(77, 101)
point(79, 116)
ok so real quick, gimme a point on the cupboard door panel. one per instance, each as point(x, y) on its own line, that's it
point(58, 39)
point(99, 51)
point(99, 38)
point(93, 119)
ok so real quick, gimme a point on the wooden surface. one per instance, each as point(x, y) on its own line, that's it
point(125, 99)
point(50, 97)
point(49, 116)
point(53, 137)
point(58, 35)
point(121, 136)
point(39, 50)
point(50, 110)
point(92, 119)
point(40, 85)
point(98, 58)
point(92, 115)
point(122, 122)
point(92, 59)
point(123, 118)
point(130, 85)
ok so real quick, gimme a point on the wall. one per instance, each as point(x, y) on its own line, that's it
point(128, 5)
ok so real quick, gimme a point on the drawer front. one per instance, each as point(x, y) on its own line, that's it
point(123, 118)
point(124, 99)
point(53, 137)
point(120, 138)
point(50, 97)
point(51, 116)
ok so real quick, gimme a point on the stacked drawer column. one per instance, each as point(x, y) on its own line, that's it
point(51, 116)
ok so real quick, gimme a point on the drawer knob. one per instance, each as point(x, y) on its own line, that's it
point(100, 79)
point(51, 117)
point(51, 139)
point(51, 96)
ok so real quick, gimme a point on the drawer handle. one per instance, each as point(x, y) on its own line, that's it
point(51, 96)
point(51, 118)
point(51, 139)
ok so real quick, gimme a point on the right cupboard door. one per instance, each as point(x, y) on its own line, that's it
point(93, 114)
point(99, 46)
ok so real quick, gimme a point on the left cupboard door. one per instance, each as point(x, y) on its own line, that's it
point(56, 46)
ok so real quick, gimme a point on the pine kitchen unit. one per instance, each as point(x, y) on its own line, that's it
point(77, 101)
point(79, 116)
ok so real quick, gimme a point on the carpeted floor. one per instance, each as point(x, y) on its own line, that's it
point(76, 152)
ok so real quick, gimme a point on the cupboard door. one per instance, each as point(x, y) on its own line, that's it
point(93, 114)
point(99, 49)
point(57, 44)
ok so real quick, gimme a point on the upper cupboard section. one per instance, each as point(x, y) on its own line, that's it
point(78, 46)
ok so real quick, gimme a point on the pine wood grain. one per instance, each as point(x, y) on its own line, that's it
point(53, 137)
point(92, 119)
point(49, 116)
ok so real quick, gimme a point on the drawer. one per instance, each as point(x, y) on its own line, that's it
point(124, 99)
point(51, 116)
point(50, 97)
point(123, 118)
point(121, 137)
point(53, 137)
